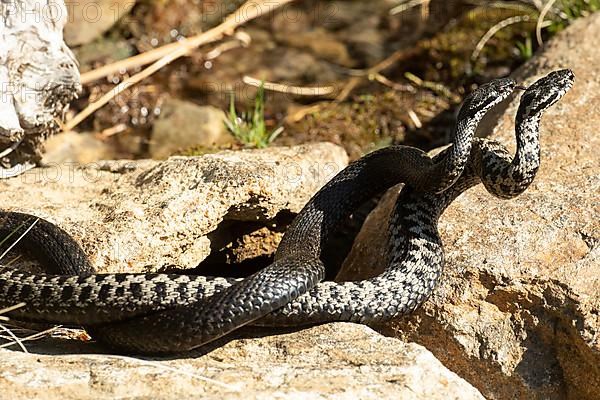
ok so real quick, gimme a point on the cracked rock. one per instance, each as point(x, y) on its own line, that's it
point(149, 215)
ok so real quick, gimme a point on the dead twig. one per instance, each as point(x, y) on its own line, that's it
point(372, 72)
point(357, 76)
point(289, 89)
point(302, 112)
point(436, 87)
point(113, 130)
point(391, 84)
point(248, 11)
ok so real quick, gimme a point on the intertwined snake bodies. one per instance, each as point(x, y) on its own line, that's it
point(157, 313)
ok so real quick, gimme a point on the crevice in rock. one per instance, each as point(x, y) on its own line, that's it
point(240, 248)
point(446, 345)
point(550, 359)
point(246, 240)
point(555, 325)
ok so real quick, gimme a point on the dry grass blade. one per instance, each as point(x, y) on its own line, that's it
point(16, 340)
point(35, 336)
point(540, 21)
point(289, 89)
point(407, 5)
point(494, 29)
point(11, 261)
point(415, 119)
point(19, 239)
point(11, 308)
point(14, 337)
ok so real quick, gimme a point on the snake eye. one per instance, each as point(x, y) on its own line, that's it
point(544, 92)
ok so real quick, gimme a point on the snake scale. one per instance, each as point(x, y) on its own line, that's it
point(165, 313)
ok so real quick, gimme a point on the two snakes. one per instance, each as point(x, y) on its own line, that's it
point(167, 313)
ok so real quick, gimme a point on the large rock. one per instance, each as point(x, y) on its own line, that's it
point(517, 310)
point(144, 215)
point(342, 361)
point(73, 147)
point(130, 215)
point(184, 125)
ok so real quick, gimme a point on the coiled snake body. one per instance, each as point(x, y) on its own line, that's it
point(158, 313)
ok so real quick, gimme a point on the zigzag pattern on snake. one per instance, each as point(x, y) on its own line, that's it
point(157, 313)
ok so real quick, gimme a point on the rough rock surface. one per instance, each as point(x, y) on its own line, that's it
point(337, 361)
point(517, 310)
point(516, 313)
point(166, 212)
point(145, 215)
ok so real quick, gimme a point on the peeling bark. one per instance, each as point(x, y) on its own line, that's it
point(39, 76)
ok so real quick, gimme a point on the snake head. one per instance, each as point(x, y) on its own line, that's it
point(544, 92)
point(486, 96)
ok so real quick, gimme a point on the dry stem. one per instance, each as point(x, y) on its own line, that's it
point(167, 54)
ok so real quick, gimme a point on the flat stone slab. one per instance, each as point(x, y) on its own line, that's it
point(336, 361)
point(144, 215)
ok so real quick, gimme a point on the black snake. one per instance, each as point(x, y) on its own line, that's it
point(157, 313)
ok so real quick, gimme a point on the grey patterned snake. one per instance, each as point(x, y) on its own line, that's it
point(161, 313)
